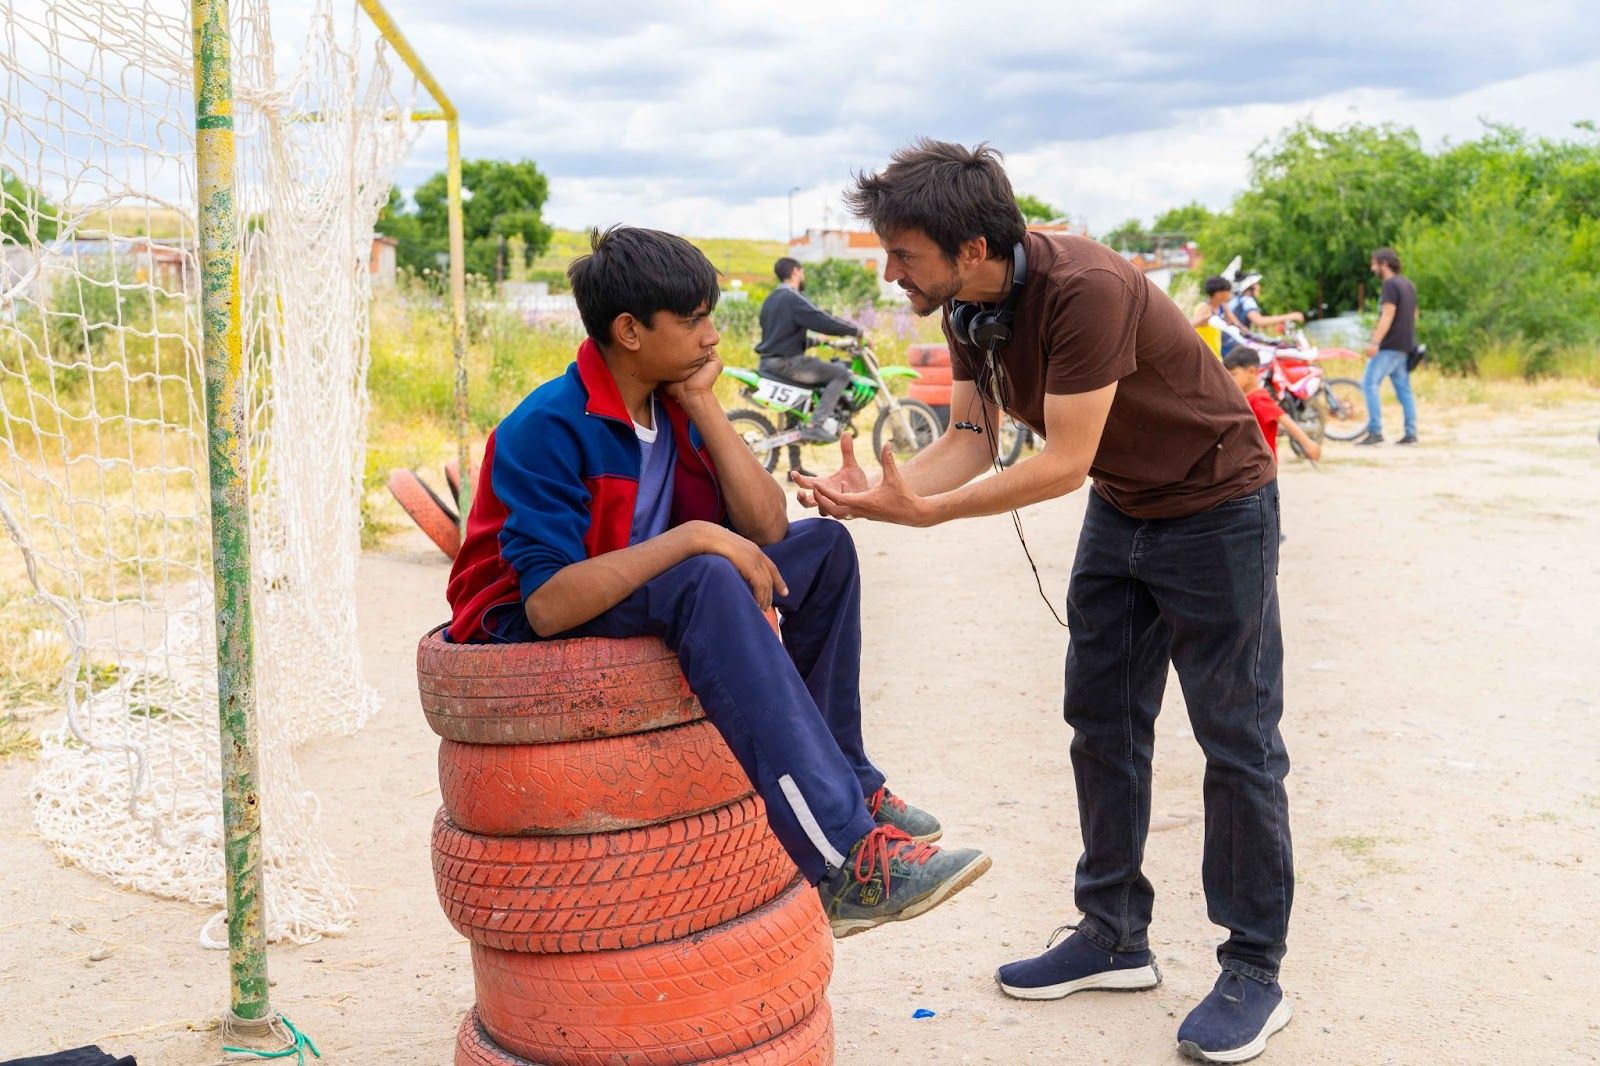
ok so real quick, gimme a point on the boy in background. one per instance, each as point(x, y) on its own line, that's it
point(1244, 365)
point(617, 501)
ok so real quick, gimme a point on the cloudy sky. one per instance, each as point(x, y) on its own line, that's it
point(700, 117)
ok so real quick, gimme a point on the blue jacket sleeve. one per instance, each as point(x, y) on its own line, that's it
point(538, 479)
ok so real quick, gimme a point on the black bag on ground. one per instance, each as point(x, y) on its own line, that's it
point(78, 1056)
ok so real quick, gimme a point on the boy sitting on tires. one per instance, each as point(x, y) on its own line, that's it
point(617, 501)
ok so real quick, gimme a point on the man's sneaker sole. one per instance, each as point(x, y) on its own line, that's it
point(843, 927)
point(1132, 979)
point(1276, 1020)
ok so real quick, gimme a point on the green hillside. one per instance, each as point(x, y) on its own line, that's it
point(749, 261)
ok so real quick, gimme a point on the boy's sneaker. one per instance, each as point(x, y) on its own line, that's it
point(1370, 438)
point(1409, 438)
point(888, 809)
point(1233, 1023)
point(1077, 964)
point(889, 877)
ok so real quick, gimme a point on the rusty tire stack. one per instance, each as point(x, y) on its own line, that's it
point(607, 858)
point(932, 387)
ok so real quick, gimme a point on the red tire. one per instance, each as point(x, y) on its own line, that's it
point(808, 1044)
point(933, 375)
point(724, 991)
point(608, 890)
point(430, 513)
point(545, 692)
point(452, 477)
point(921, 355)
point(589, 786)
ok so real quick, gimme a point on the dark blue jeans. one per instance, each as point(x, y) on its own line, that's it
point(790, 710)
point(1201, 594)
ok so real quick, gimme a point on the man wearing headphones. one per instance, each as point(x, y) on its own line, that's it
point(1176, 561)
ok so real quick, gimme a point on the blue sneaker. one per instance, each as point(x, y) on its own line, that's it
point(1077, 964)
point(1233, 1023)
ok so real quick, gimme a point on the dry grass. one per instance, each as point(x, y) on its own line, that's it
point(412, 424)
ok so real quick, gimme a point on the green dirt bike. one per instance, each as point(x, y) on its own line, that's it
point(910, 424)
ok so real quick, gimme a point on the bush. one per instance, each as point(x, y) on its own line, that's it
point(840, 286)
point(1499, 274)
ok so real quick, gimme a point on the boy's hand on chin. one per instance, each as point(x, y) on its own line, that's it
point(702, 381)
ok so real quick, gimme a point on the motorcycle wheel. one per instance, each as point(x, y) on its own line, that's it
point(1013, 435)
point(1346, 407)
point(919, 427)
point(753, 428)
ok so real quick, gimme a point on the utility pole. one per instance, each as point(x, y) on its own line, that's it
point(791, 210)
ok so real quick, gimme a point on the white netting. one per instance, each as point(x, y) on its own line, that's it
point(102, 418)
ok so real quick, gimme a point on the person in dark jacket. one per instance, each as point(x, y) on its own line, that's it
point(786, 315)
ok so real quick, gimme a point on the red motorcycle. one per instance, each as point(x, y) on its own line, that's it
point(1322, 406)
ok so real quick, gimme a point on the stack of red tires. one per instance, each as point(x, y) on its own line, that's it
point(605, 855)
point(932, 387)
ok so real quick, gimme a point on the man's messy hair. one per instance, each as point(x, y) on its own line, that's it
point(639, 272)
point(952, 193)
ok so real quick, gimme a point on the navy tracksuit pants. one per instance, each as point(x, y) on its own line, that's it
point(789, 710)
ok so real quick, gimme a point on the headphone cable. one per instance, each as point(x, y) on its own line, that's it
point(992, 393)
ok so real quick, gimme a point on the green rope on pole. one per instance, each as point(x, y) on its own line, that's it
point(302, 1044)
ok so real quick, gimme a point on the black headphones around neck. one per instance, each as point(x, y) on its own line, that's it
point(990, 328)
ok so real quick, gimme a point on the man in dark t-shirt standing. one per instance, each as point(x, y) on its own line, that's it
point(1393, 340)
point(1176, 562)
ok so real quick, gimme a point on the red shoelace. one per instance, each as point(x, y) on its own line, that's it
point(876, 801)
point(884, 844)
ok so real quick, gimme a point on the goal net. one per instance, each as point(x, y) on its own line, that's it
point(103, 437)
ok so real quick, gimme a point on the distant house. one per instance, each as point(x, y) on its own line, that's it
point(28, 273)
point(381, 263)
point(1165, 261)
point(863, 247)
point(859, 245)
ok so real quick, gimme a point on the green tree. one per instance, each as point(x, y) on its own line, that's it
point(1187, 220)
point(499, 199)
point(1036, 210)
point(1504, 266)
point(24, 213)
point(1130, 236)
point(840, 286)
point(1319, 201)
point(399, 220)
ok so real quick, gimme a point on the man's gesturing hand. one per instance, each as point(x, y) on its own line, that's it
point(891, 501)
point(758, 571)
point(848, 478)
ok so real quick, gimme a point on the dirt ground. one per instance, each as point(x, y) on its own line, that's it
point(1441, 607)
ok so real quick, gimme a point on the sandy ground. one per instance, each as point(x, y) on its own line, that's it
point(1441, 608)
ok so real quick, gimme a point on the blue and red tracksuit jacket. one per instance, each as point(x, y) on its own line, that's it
point(559, 478)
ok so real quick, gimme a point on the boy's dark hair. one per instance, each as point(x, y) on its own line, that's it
point(639, 271)
point(1217, 283)
point(1387, 257)
point(784, 267)
point(1242, 357)
point(951, 193)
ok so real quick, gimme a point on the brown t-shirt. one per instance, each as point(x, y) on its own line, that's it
point(1180, 437)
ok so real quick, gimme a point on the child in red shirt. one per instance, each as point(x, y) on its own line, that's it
point(1245, 366)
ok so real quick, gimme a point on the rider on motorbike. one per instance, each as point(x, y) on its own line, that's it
point(1246, 307)
point(785, 317)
